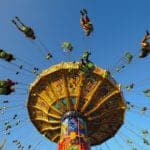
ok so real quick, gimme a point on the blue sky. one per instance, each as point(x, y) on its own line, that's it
point(118, 26)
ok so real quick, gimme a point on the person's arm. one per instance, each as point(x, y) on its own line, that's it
point(144, 39)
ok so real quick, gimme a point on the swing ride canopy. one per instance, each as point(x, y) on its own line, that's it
point(63, 88)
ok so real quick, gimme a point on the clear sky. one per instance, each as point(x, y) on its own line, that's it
point(119, 26)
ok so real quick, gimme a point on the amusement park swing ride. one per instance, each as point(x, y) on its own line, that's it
point(75, 104)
